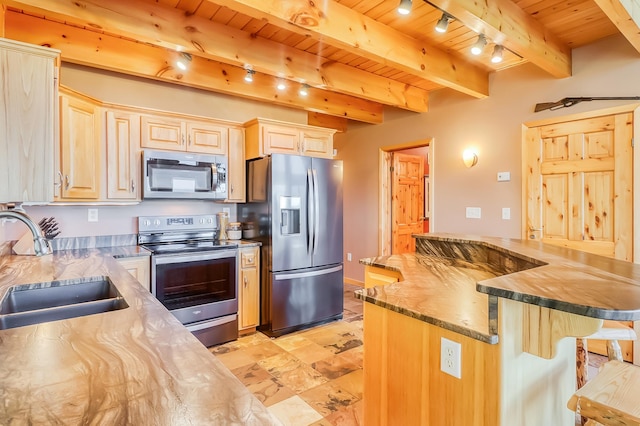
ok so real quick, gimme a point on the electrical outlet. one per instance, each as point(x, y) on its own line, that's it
point(227, 210)
point(506, 213)
point(349, 257)
point(473, 212)
point(450, 357)
point(92, 215)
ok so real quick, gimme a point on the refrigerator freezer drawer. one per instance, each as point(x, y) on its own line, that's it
point(305, 298)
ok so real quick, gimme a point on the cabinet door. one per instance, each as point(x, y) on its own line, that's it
point(160, 132)
point(207, 138)
point(27, 106)
point(123, 155)
point(236, 172)
point(139, 267)
point(280, 139)
point(79, 148)
point(317, 144)
point(249, 288)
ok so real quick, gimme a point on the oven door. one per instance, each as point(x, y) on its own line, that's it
point(196, 286)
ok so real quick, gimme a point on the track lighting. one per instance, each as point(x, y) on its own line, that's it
point(405, 7)
point(479, 45)
point(443, 23)
point(281, 85)
point(496, 57)
point(183, 61)
point(304, 90)
point(249, 76)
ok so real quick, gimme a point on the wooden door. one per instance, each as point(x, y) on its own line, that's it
point(280, 139)
point(123, 155)
point(317, 143)
point(207, 138)
point(579, 189)
point(159, 132)
point(407, 201)
point(249, 303)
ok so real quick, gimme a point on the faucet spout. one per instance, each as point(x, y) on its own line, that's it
point(40, 245)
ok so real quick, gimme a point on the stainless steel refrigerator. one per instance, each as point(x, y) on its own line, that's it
point(294, 205)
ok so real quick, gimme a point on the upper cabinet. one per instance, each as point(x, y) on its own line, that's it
point(80, 142)
point(28, 83)
point(123, 154)
point(236, 174)
point(264, 137)
point(179, 134)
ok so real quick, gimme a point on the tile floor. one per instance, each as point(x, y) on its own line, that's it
point(311, 377)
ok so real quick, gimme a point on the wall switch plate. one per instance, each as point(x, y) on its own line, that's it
point(92, 215)
point(474, 212)
point(349, 257)
point(226, 210)
point(504, 176)
point(450, 357)
point(506, 213)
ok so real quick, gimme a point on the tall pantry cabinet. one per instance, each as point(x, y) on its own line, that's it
point(28, 84)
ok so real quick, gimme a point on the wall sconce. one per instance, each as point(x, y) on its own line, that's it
point(405, 7)
point(470, 157)
point(183, 61)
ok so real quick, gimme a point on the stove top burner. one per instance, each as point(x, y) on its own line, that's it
point(189, 246)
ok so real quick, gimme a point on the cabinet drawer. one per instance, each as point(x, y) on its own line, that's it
point(248, 260)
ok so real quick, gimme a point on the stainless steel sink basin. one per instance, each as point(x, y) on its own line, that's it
point(43, 302)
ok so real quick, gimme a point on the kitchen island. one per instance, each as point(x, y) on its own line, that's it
point(138, 365)
point(515, 307)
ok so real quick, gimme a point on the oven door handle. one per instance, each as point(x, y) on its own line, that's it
point(193, 257)
point(211, 323)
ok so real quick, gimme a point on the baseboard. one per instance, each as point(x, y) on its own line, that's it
point(352, 281)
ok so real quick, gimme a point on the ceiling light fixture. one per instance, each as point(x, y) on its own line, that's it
point(304, 90)
point(249, 76)
point(183, 61)
point(479, 45)
point(281, 84)
point(405, 7)
point(443, 23)
point(496, 57)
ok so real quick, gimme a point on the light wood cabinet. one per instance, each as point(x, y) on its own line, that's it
point(177, 134)
point(139, 267)
point(123, 155)
point(236, 173)
point(79, 159)
point(28, 83)
point(249, 288)
point(264, 137)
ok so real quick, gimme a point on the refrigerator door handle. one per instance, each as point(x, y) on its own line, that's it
point(316, 211)
point(310, 212)
point(292, 276)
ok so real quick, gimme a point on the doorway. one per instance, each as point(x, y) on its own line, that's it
point(387, 223)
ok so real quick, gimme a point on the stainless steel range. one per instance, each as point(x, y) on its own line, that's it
point(193, 273)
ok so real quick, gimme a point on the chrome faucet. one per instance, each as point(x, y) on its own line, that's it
point(40, 244)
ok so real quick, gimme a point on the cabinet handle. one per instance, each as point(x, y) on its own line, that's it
point(302, 147)
point(245, 282)
point(67, 182)
point(133, 185)
point(59, 184)
point(232, 188)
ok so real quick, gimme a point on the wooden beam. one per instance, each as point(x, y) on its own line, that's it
point(504, 22)
point(116, 54)
point(343, 27)
point(173, 29)
point(625, 15)
point(328, 121)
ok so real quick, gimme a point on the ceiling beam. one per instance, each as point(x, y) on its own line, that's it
point(625, 15)
point(504, 22)
point(174, 29)
point(99, 50)
point(343, 27)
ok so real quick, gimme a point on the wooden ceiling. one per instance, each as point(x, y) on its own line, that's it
point(356, 55)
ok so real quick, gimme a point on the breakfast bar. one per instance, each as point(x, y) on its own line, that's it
point(514, 307)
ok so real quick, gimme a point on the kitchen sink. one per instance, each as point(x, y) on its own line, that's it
point(43, 302)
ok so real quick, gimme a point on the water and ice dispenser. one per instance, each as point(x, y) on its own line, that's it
point(290, 215)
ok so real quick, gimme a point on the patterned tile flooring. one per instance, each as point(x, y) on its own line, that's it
point(311, 377)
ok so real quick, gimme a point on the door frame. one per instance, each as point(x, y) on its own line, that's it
point(630, 108)
point(384, 187)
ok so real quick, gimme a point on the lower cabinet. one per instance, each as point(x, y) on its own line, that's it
point(249, 288)
point(139, 267)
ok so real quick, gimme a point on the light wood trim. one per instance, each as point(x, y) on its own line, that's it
point(120, 55)
point(626, 21)
point(170, 28)
point(374, 276)
point(329, 121)
point(623, 181)
point(584, 115)
point(353, 282)
point(343, 27)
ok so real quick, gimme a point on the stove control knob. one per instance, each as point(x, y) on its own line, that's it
point(156, 222)
point(146, 222)
point(210, 221)
point(201, 221)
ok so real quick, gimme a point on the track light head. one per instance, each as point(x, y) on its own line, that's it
point(249, 76)
point(404, 8)
point(496, 57)
point(443, 23)
point(304, 90)
point(479, 45)
point(183, 61)
point(281, 85)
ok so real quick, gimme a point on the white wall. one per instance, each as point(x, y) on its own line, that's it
point(608, 68)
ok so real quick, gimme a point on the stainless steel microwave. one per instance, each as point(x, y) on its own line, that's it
point(184, 175)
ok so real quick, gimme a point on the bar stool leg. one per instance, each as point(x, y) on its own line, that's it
point(614, 352)
point(582, 368)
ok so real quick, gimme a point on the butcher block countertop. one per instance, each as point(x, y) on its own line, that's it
point(135, 366)
point(454, 281)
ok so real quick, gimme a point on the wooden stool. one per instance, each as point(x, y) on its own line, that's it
point(612, 397)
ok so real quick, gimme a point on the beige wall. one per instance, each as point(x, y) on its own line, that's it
point(493, 126)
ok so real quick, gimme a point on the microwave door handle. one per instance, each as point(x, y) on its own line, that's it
point(214, 177)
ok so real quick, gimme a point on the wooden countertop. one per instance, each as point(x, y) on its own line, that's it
point(452, 279)
point(137, 365)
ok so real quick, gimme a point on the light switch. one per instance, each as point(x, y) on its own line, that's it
point(504, 176)
point(92, 215)
point(474, 212)
point(506, 213)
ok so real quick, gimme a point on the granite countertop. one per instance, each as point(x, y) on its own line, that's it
point(453, 281)
point(137, 365)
